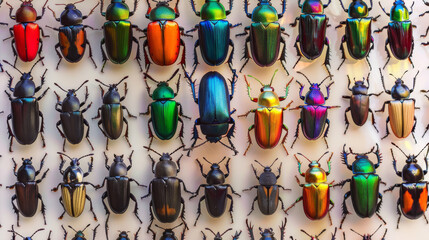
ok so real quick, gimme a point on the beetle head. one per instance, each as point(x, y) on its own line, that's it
point(400, 90)
point(117, 10)
point(315, 173)
point(358, 9)
point(362, 165)
point(123, 234)
point(26, 12)
point(25, 87)
point(265, 12)
point(266, 233)
point(360, 88)
point(166, 167)
point(79, 233)
point(312, 7)
point(215, 175)
point(218, 235)
point(213, 10)
point(26, 173)
point(73, 173)
point(112, 95)
point(399, 11)
point(162, 11)
point(412, 171)
point(118, 167)
point(71, 15)
point(71, 103)
point(314, 96)
point(267, 178)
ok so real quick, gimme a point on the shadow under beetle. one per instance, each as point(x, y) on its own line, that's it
point(79, 235)
point(314, 114)
point(359, 103)
point(118, 33)
point(215, 190)
point(264, 35)
point(169, 234)
point(26, 189)
point(268, 121)
point(364, 185)
point(358, 31)
point(312, 31)
point(164, 111)
point(401, 108)
point(112, 112)
point(71, 116)
point(413, 191)
point(316, 190)
point(73, 187)
point(268, 233)
point(118, 189)
point(316, 237)
point(367, 236)
point(399, 32)
point(268, 190)
point(30, 237)
point(167, 202)
point(218, 235)
point(26, 42)
point(123, 235)
point(25, 113)
point(72, 37)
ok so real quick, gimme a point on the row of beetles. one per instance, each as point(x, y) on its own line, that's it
point(162, 44)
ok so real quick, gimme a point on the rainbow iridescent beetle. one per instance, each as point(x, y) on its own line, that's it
point(316, 190)
point(268, 121)
point(399, 32)
point(264, 35)
point(312, 31)
point(358, 31)
point(26, 43)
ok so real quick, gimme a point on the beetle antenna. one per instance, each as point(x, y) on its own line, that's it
point(58, 4)
point(404, 74)
point(150, 77)
point(308, 80)
point(323, 156)
point(422, 150)
point(38, 230)
point(176, 149)
point(302, 230)
point(79, 1)
point(227, 230)
point(211, 231)
point(81, 85)
point(274, 162)
point(12, 231)
point(259, 163)
point(402, 150)
point(87, 155)
point(318, 235)
point(72, 228)
point(40, 59)
point(367, 77)
point(88, 224)
point(156, 225)
point(150, 149)
point(177, 226)
point(222, 160)
point(8, 63)
point(324, 80)
point(102, 83)
point(356, 232)
point(121, 80)
point(303, 156)
point(272, 78)
point(256, 80)
point(174, 74)
point(207, 161)
point(63, 154)
point(56, 84)
point(376, 230)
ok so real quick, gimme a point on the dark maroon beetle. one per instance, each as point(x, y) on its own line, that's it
point(314, 114)
point(26, 190)
point(359, 103)
point(366, 236)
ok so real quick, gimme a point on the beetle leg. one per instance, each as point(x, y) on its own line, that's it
point(15, 209)
point(136, 208)
point(146, 56)
point(43, 207)
point(298, 53)
point(42, 126)
point(326, 132)
point(181, 111)
point(246, 55)
point(343, 40)
point(392, 188)
point(43, 176)
point(231, 55)
point(281, 201)
point(344, 208)
point(182, 216)
point(253, 205)
point(149, 188)
point(128, 112)
point(62, 134)
point(342, 183)
point(297, 129)
point(378, 208)
point(388, 53)
point(103, 54)
point(90, 53)
point(293, 205)
point(14, 52)
point(196, 45)
point(138, 58)
point(249, 139)
point(230, 134)
point(284, 138)
point(373, 120)
point(91, 209)
point(345, 117)
point(231, 207)
point(387, 127)
point(87, 131)
point(426, 219)
point(40, 49)
point(183, 61)
point(62, 204)
point(327, 58)
point(199, 209)
point(126, 132)
point(58, 54)
point(11, 136)
point(195, 136)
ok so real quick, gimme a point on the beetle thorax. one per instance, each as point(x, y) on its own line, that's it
point(215, 176)
point(266, 233)
point(165, 168)
point(26, 13)
point(73, 174)
point(168, 233)
point(268, 98)
point(25, 87)
point(264, 13)
point(163, 92)
point(412, 172)
point(71, 103)
point(400, 90)
point(358, 9)
point(162, 12)
point(267, 178)
point(315, 174)
point(213, 10)
point(123, 235)
point(117, 10)
point(71, 16)
point(362, 165)
point(118, 168)
point(359, 88)
point(315, 96)
point(26, 173)
point(79, 234)
point(399, 12)
point(112, 95)
point(312, 7)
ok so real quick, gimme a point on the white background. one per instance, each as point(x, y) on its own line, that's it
point(361, 139)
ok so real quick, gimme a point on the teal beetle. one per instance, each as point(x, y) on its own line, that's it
point(364, 185)
point(358, 31)
point(213, 34)
point(399, 32)
point(264, 35)
point(118, 33)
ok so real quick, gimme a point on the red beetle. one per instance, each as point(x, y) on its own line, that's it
point(26, 41)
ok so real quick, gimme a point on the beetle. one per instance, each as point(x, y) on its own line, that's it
point(27, 193)
point(111, 113)
point(215, 190)
point(25, 113)
point(264, 35)
point(214, 107)
point(168, 233)
point(316, 237)
point(268, 190)
point(118, 189)
point(413, 191)
point(314, 114)
point(316, 190)
point(358, 31)
point(364, 185)
point(399, 32)
point(401, 108)
point(118, 33)
point(71, 116)
point(218, 235)
point(26, 42)
point(268, 233)
point(213, 34)
point(79, 235)
point(165, 111)
point(167, 202)
point(312, 32)
point(72, 37)
point(268, 121)
point(124, 235)
point(367, 236)
point(359, 103)
point(28, 238)
point(73, 187)
point(163, 41)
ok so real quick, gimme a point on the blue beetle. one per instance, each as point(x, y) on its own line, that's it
point(79, 235)
point(28, 238)
point(214, 107)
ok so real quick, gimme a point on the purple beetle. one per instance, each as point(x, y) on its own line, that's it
point(314, 115)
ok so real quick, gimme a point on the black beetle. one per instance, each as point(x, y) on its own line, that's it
point(366, 236)
point(25, 108)
point(359, 103)
point(111, 112)
point(71, 117)
point(26, 190)
point(167, 202)
point(28, 238)
point(316, 237)
point(168, 233)
point(124, 235)
point(268, 233)
point(268, 190)
point(218, 235)
point(73, 189)
point(79, 235)
point(215, 190)
point(118, 188)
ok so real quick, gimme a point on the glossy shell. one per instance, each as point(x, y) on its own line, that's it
point(25, 120)
point(112, 117)
point(27, 198)
point(73, 127)
point(72, 40)
point(359, 107)
point(213, 10)
point(165, 116)
point(312, 35)
point(313, 121)
point(214, 37)
point(268, 126)
point(118, 36)
point(216, 199)
point(358, 33)
point(27, 40)
point(118, 194)
point(364, 194)
point(400, 37)
point(265, 43)
point(166, 199)
point(73, 196)
point(268, 199)
point(264, 13)
point(163, 42)
point(401, 113)
point(414, 197)
point(316, 199)
point(399, 12)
